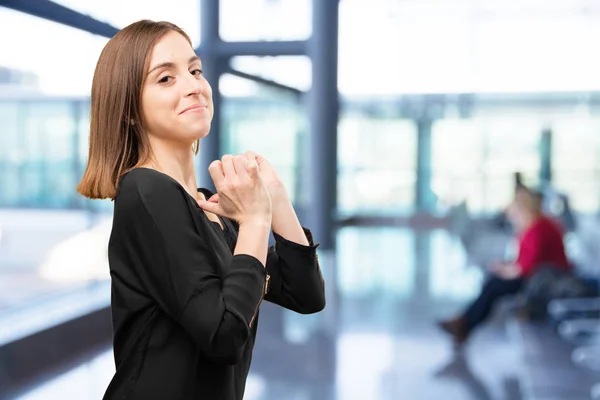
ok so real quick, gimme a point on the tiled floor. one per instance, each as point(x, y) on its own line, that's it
point(376, 339)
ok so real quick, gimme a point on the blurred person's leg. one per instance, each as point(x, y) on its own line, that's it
point(493, 290)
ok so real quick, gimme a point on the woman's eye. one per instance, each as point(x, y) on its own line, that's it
point(165, 79)
point(197, 71)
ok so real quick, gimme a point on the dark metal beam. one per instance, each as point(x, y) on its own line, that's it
point(213, 66)
point(266, 82)
point(277, 48)
point(323, 110)
point(57, 13)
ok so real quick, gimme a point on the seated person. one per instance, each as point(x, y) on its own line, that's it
point(540, 243)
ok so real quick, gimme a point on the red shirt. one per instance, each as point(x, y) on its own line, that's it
point(541, 243)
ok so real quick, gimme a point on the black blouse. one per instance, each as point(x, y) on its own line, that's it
point(184, 308)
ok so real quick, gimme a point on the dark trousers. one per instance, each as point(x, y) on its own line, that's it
point(494, 289)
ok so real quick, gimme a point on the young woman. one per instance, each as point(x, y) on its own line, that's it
point(189, 268)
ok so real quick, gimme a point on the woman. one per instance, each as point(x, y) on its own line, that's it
point(189, 268)
point(540, 244)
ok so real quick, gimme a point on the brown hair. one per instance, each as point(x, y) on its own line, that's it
point(117, 139)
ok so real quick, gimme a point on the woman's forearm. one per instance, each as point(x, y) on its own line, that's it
point(285, 221)
point(253, 239)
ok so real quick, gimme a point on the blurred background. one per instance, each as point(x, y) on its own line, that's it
point(398, 127)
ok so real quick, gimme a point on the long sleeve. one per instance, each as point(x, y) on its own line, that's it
point(168, 252)
point(296, 281)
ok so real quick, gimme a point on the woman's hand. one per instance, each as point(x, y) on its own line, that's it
point(241, 191)
point(267, 172)
point(273, 183)
point(508, 271)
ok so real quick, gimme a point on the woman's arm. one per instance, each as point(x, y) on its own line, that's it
point(296, 281)
point(284, 220)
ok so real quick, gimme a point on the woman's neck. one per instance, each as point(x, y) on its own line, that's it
point(178, 163)
point(530, 220)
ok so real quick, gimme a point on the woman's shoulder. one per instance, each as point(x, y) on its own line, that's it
point(544, 227)
point(552, 226)
point(150, 186)
point(145, 178)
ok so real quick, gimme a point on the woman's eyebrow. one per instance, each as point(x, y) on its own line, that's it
point(170, 64)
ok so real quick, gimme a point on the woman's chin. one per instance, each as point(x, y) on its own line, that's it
point(204, 133)
point(198, 131)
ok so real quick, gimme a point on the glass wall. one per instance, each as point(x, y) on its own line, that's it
point(376, 164)
point(44, 151)
point(42, 156)
point(49, 241)
point(45, 64)
point(292, 71)
point(271, 122)
point(475, 159)
point(576, 159)
point(474, 153)
point(9, 157)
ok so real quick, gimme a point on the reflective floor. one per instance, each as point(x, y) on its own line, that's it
point(375, 340)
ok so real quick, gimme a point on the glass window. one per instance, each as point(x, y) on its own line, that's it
point(46, 64)
point(270, 20)
point(456, 177)
point(293, 71)
point(376, 165)
point(183, 13)
point(575, 155)
point(475, 159)
point(44, 122)
point(49, 175)
point(48, 245)
point(10, 157)
point(268, 121)
point(512, 144)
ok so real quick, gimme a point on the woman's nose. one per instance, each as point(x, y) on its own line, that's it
point(193, 86)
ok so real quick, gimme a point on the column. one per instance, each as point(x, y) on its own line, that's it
point(323, 109)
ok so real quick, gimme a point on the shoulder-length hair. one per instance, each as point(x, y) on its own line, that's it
point(117, 141)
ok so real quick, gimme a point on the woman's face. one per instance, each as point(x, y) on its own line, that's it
point(514, 214)
point(176, 99)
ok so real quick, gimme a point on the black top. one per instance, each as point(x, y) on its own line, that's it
point(184, 308)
